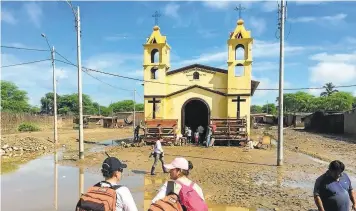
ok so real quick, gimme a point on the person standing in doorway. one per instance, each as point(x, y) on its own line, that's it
point(189, 134)
point(196, 137)
point(201, 131)
point(333, 190)
point(158, 154)
point(208, 135)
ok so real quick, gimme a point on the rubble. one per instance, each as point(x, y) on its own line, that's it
point(18, 146)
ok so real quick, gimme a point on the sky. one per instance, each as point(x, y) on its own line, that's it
point(320, 43)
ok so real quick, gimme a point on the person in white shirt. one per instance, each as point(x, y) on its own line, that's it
point(112, 169)
point(178, 171)
point(158, 154)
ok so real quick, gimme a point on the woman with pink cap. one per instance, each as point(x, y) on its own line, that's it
point(181, 185)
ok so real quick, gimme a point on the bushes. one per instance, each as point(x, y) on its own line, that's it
point(28, 127)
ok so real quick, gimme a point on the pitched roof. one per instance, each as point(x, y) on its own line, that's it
point(254, 84)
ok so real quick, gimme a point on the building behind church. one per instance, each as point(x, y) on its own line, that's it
point(196, 93)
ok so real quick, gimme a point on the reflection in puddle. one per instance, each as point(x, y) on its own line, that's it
point(152, 183)
point(54, 187)
point(102, 144)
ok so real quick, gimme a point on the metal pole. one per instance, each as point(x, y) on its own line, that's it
point(55, 179)
point(80, 100)
point(54, 100)
point(281, 78)
point(81, 181)
point(134, 110)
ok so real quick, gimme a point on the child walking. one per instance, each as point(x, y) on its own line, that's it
point(196, 136)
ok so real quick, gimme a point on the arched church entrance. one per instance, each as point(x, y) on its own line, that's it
point(195, 113)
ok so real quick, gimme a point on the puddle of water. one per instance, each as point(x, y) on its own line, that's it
point(41, 185)
point(102, 144)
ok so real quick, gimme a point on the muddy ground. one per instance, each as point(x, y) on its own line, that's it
point(232, 175)
point(33, 144)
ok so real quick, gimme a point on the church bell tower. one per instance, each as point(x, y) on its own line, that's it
point(156, 62)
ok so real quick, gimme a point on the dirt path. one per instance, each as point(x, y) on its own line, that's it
point(230, 175)
point(322, 146)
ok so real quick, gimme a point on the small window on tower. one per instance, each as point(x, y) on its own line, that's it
point(154, 40)
point(154, 73)
point(239, 35)
point(240, 52)
point(155, 56)
point(196, 76)
point(239, 70)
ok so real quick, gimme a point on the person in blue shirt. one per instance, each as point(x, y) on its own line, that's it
point(333, 190)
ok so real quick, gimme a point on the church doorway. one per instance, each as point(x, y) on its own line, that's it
point(195, 113)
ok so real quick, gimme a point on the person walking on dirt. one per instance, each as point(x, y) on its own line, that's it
point(190, 194)
point(137, 131)
point(158, 154)
point(118, 197)
point(333, 190)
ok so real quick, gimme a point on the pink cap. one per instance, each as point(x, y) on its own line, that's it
point(178, 163)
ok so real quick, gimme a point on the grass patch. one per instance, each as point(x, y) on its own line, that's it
point(11, 164)
point(28, 127)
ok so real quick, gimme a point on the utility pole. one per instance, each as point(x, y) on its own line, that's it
point(54, 92)
point(134, 110)
point(80, 97)
point(281, 78)
point(54, 99)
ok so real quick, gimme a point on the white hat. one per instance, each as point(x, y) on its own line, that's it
point(178, 163)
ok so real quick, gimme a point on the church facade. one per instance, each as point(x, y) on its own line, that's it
point(196, 93)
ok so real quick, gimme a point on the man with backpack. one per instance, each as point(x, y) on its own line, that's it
point(181, 191)
point(108, 195)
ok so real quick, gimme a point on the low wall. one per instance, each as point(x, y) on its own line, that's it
point(350, 122)
point(325, 123)
point(11, 121)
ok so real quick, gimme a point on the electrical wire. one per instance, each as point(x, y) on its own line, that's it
point(20, 48)
point(185, 85)
point(25, 63)
point(107, 83)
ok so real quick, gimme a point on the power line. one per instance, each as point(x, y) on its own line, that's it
point(20, 48)
point(185, 85)
point(107, 83)
point(25, 63)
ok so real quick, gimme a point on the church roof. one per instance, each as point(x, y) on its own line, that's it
point(254, 84)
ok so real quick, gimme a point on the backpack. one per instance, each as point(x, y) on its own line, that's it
point(190, 199)
point(98, 198)
point(169, 203)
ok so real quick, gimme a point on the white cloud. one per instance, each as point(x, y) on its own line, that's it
point(265, 66)
point(334, 19)
point(225, 4)
point(336, 68)
point(258, 25)
point(137, 74)
point(310, 2)
point(260, 49)
point(117, 37)
point(269, 6)
point(335, 72)
point(110, 60)
point(171, 10)
point(8, 17)
point(35, 13)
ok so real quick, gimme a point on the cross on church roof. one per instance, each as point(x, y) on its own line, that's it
point(240, 8)
point(156, 16)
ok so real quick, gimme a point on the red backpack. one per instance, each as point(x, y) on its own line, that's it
point(190, 199)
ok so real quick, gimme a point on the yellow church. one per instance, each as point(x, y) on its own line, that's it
point(196, 93)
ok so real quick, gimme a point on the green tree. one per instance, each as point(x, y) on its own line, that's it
point(13, 99)
point(269, 108)
point(329, 90)
point(339, 101)
point(255, 109)
point(122, 106)
point(139, 107)
point(354, 103)
point(47, 103)
point(34, 110)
